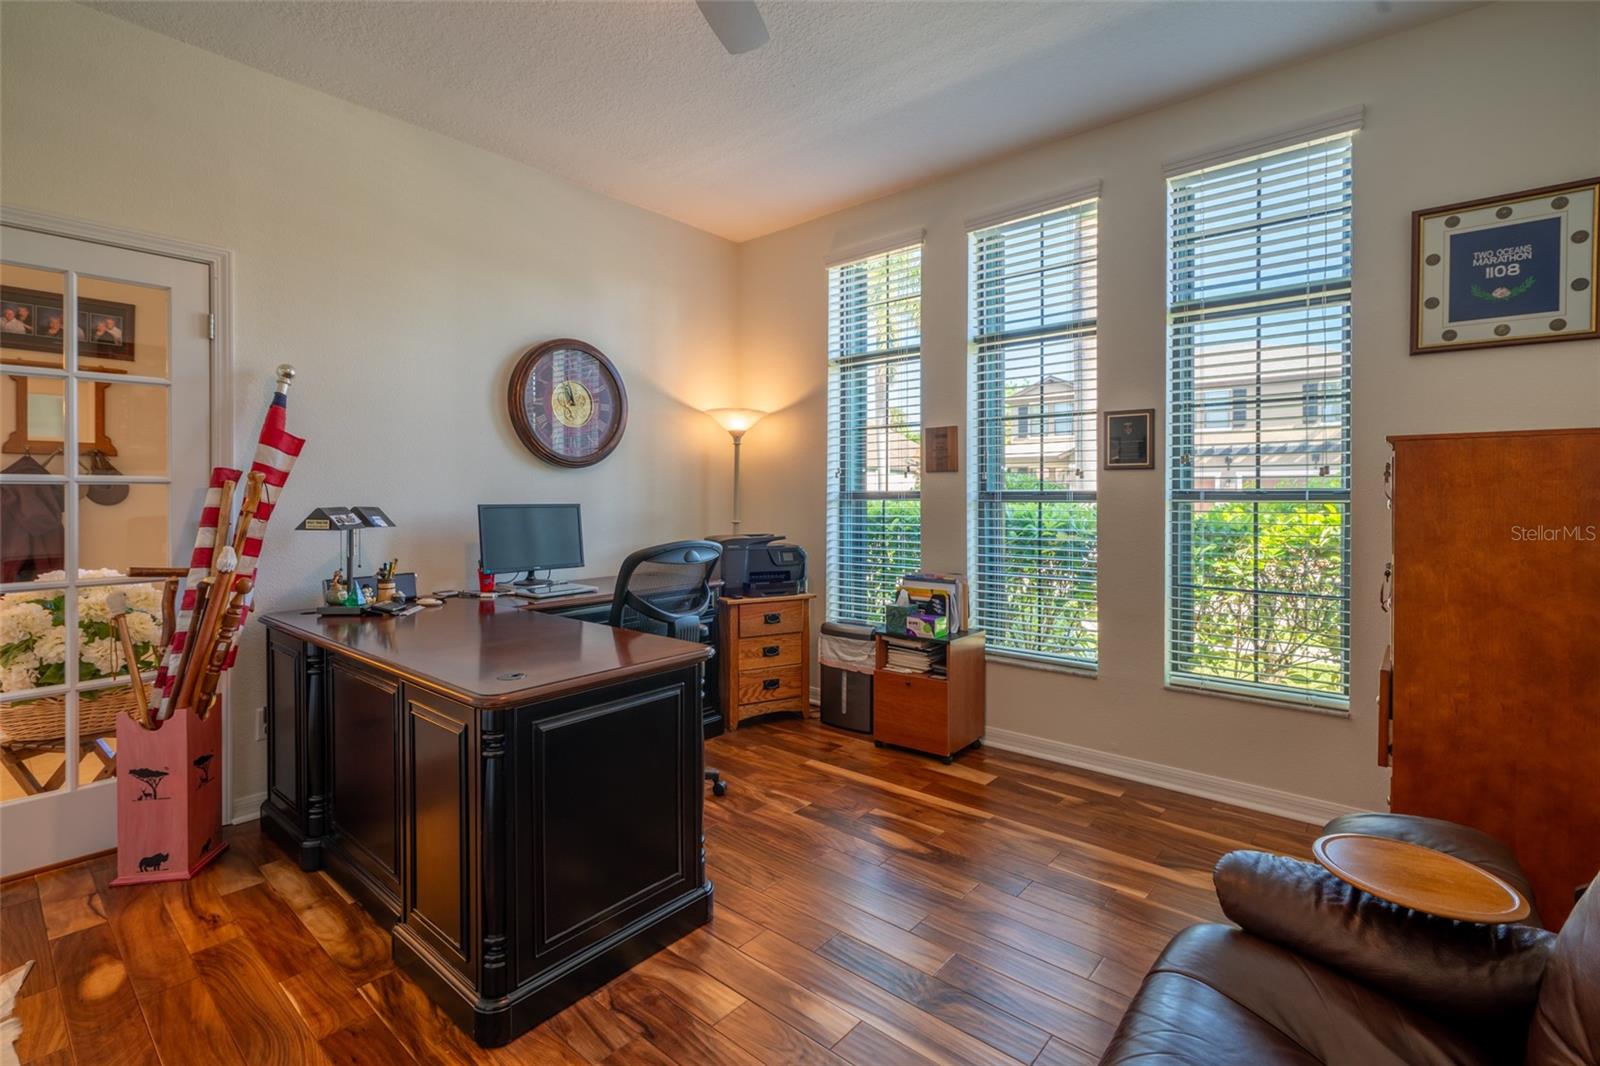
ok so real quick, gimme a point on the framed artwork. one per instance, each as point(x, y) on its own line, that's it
point(1513, 269)
point(1129, 439)
point(32, 320)
point(939, 450)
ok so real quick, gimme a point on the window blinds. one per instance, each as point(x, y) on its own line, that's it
point(1259, 436)
point(1034, 430)
point(874, 430)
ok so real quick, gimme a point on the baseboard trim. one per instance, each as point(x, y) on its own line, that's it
point(248, 808)
point(1191, 782)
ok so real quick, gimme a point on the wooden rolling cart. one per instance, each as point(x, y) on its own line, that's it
point(938, 715)
point(765, 645)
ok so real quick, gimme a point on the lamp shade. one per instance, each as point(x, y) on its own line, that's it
point(736, 420)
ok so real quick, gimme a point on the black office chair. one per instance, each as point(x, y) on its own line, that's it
point(666, 589)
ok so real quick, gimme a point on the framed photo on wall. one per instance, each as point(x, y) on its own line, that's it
point(1130, 439)
point(33, 320)
point(1513, 269)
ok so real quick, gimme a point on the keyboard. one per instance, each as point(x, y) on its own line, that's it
point(548, 592)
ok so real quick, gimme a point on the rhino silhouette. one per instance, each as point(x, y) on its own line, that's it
point(154, 862)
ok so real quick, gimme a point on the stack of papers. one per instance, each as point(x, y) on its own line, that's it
point(913, 656)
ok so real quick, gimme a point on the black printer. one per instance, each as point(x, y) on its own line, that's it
point(760, 564)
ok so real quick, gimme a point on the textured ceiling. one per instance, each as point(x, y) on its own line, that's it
point(849, 100)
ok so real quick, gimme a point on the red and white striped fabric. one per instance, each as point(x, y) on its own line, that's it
point(276, 451)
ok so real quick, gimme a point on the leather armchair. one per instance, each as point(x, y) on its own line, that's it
point(1320, 972)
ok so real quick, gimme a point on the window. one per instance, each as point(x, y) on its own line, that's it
point(1259, 394)
point(1317, 404)
point(1061, 419)
point(1224, 408)
point(874, 430)
point(1034, 434)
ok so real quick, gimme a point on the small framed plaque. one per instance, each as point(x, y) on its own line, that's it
point(1129, 439)
point(1514, 269)
point(939, 455)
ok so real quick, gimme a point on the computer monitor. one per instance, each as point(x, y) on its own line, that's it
point(529, 536)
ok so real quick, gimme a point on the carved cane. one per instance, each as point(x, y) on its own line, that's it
point(217, 661)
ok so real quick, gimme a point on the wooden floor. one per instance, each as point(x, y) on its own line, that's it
point(872, 907)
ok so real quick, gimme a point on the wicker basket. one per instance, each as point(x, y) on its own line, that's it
point(41, 721)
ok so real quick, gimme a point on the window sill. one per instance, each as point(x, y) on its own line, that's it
point(1323, 710)
point(1028, 662)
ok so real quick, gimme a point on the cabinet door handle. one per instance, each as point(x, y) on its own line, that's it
point(772, 618)
point(769, 651)
point(770, 683)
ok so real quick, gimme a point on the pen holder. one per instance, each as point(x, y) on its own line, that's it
point(385, 591)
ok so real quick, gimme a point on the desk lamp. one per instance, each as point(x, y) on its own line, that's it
point(347, 520)
point(736, 420)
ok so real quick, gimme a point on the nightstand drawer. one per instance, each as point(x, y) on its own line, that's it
point(760, 686)
point(760, 619)
point(769, 652)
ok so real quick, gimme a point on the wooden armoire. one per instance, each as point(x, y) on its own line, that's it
point(1490, 698)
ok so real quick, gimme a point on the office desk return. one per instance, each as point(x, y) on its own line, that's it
point(517, 795)
point(596, 607)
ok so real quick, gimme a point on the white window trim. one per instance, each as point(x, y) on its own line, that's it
point(1043, 418)
point(835, 472)
point(1343, 123)
point(854, 253)
point(1348, 120)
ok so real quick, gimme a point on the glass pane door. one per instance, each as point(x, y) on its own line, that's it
point(104, 448)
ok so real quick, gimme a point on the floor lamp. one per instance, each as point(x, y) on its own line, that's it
point(736, 420)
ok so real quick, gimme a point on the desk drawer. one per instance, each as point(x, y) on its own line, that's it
point(761, 686)
point(769, 652)
point(752, 710)
point(760, 619)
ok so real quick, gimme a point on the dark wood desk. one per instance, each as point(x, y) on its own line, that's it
point(596, 607)
point(563, 604)
point(517, 795)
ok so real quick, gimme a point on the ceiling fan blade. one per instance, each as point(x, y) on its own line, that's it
point(737, 24)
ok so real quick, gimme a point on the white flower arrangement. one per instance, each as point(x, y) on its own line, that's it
point(33, 638)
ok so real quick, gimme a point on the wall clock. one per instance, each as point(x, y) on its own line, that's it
point(567, 403)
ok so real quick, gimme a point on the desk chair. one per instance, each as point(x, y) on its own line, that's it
point(665, 589)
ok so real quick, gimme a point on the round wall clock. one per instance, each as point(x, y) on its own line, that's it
point(567, 403)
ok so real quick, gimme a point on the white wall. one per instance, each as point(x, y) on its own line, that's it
point(1494, 100)
point(402, 273)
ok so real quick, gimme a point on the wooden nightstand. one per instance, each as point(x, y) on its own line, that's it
point(765, 645)
point(937, 715)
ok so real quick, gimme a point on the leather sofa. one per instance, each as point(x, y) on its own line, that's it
point(1319, 972)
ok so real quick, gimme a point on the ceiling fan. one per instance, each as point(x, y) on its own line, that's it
point(737, 24)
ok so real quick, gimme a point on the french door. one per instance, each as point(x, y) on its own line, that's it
point(105, 452)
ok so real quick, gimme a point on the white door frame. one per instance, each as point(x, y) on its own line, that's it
point(220, 263)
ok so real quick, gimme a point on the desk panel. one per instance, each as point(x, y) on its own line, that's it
point(365, 715)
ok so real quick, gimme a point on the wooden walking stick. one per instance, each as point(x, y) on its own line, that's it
point(118, 603)
point(218, 601)
point(202, 602)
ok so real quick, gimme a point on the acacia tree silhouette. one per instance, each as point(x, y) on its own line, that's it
point(150, 781)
